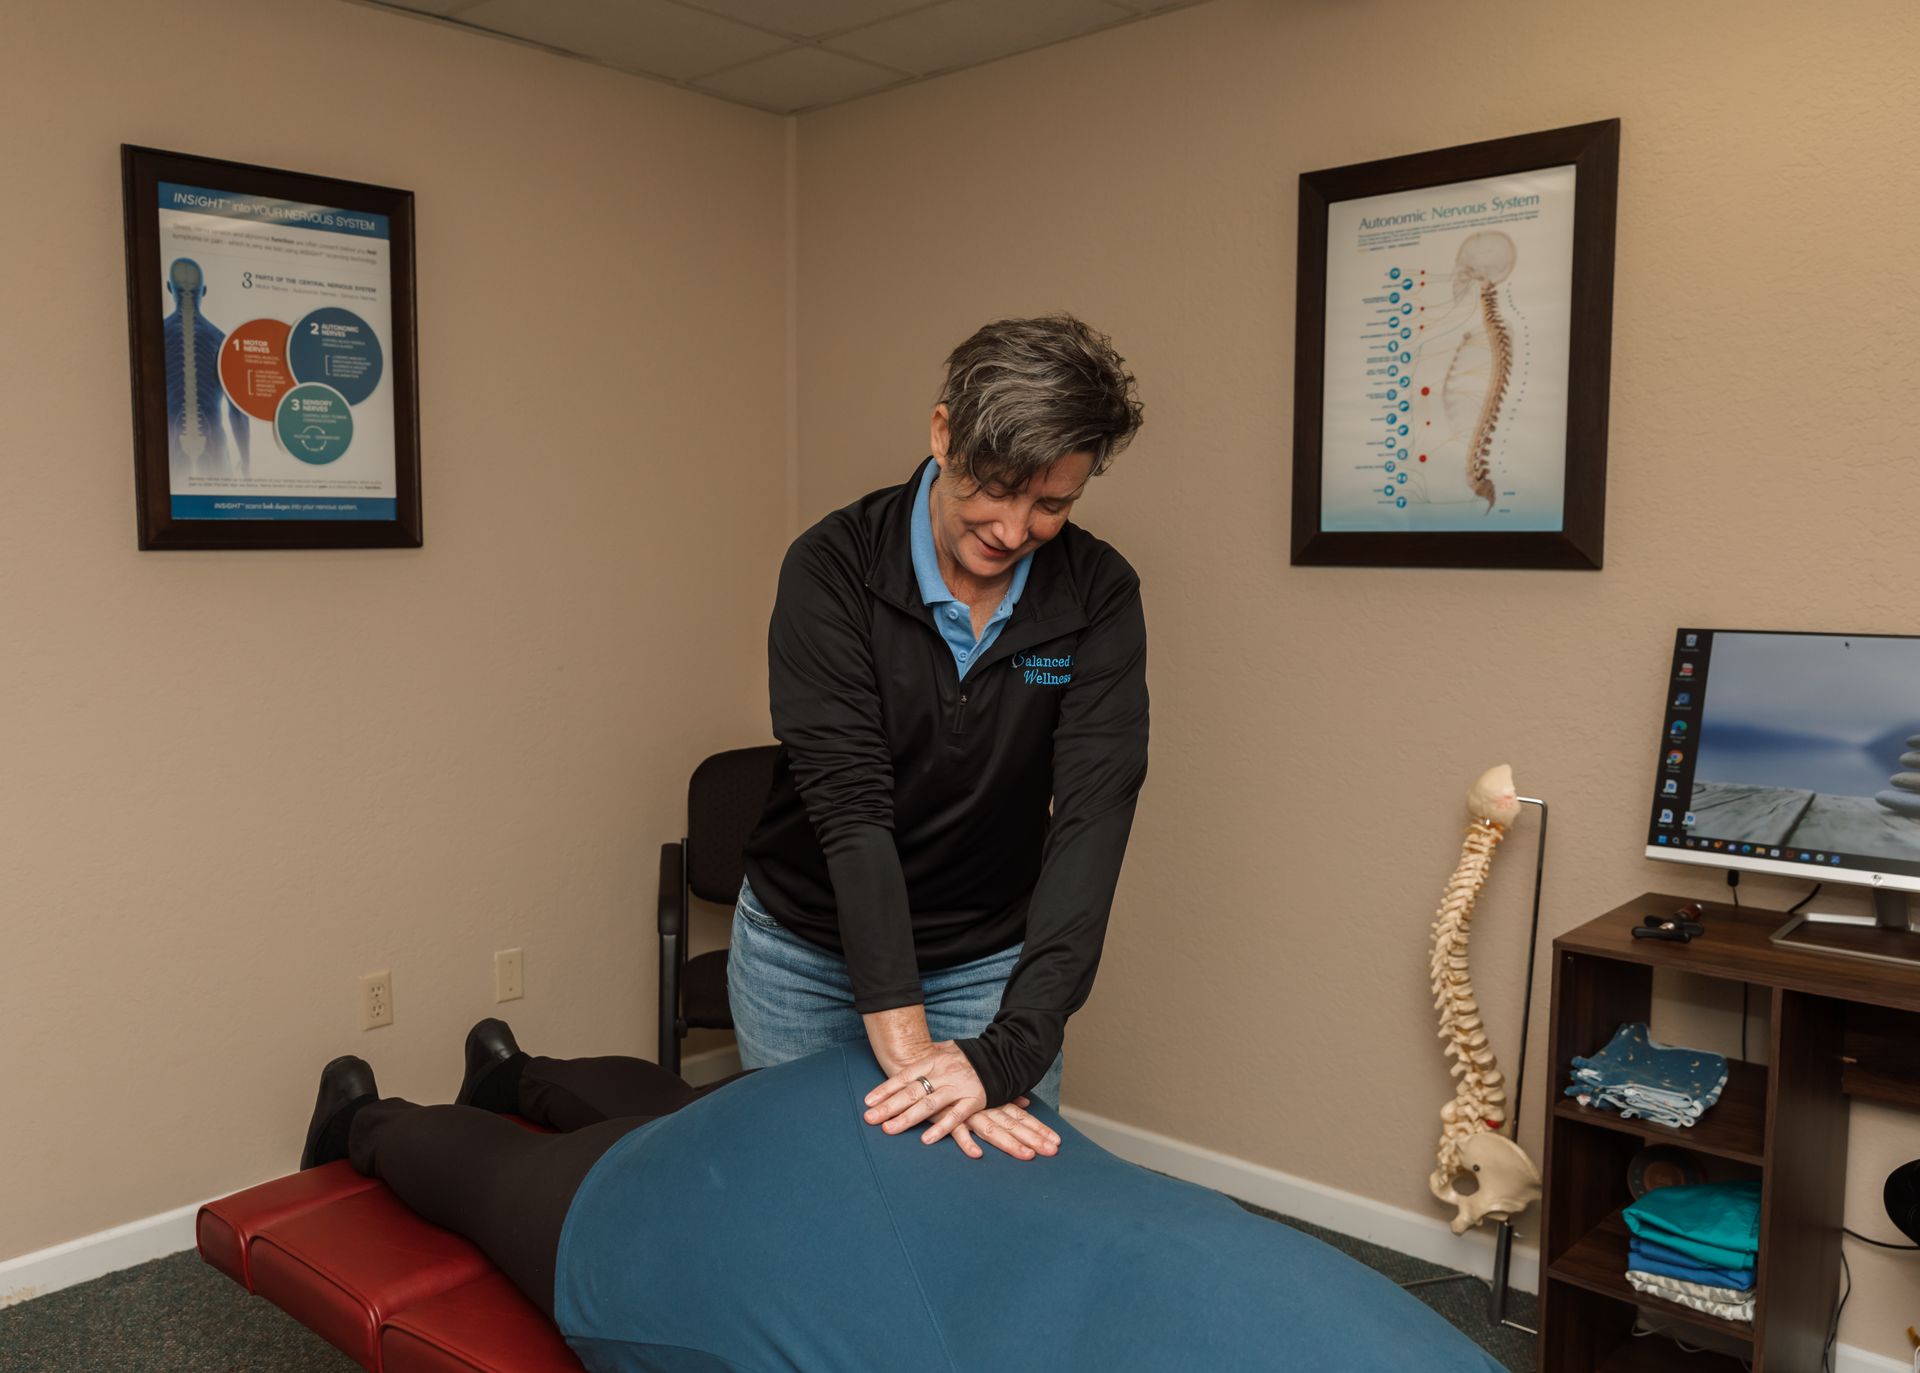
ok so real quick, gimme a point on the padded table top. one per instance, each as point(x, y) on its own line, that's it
point(340, 1254)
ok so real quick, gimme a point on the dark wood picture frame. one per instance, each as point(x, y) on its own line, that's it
point(1594, 151)
point(142, 171)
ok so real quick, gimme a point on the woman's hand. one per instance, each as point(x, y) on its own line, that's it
point(1010, 1129)
point(956, 1106)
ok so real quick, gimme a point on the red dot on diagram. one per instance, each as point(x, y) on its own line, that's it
point(1423, 457)
point(1426, 390)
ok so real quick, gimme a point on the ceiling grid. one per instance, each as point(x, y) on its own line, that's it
point(787, 56)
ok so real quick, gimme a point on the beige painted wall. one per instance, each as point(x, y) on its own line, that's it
point(1315, 730)
point(234, 783)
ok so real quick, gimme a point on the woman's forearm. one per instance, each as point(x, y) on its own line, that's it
point(898, 1036)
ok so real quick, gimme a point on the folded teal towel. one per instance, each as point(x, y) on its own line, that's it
point(1716, 1222)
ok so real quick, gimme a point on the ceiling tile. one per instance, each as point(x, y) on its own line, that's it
point(649, 36)
point(798, 79)
point(961, 33)
point(808, 18)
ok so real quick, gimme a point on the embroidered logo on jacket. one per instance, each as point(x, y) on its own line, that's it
point(1038, 670)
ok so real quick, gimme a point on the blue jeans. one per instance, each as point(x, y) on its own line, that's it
point(790, 999)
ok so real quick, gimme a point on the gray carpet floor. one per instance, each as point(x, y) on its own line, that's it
point(176, 1315)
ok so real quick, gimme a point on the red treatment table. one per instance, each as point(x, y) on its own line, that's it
point(341, 1255)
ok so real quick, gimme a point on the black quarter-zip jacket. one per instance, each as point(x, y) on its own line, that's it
point(919, 819)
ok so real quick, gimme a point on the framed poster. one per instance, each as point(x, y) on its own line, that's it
point(271, 321)
point(1453, 334)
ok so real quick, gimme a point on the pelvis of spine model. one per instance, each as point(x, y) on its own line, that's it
point(1505, 1180)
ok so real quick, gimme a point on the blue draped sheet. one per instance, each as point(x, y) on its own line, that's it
point(767, 1229)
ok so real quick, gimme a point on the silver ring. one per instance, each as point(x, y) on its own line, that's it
point(927, 1085)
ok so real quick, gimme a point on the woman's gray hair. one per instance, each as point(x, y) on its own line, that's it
point(1023, 393)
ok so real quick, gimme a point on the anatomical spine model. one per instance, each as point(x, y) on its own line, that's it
point(1506, 1180)
point(1476, 382)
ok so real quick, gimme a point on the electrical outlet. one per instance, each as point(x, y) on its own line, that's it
point(506, 975)
point(376, 1000)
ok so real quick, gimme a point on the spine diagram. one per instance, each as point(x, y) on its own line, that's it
point(1505, 1180)
point(1482, 366)
point(197, 435)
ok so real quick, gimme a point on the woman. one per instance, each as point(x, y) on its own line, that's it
point(958, 683)
point(756, 1226)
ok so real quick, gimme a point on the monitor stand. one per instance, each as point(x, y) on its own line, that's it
point(1886, 936)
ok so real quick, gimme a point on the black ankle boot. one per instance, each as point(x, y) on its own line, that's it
point(346, 1084)
point(493, 1066)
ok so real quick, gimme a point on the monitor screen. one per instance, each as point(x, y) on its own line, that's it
point(1791, 753)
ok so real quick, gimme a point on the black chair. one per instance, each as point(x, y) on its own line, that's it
point(724, 800)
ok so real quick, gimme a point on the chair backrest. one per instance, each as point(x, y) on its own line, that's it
point(724, 800)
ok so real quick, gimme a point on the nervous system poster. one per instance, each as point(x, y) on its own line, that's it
point(273, 357)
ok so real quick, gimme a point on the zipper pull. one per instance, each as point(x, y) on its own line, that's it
point(958, 711)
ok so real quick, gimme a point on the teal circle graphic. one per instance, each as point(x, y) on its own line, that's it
point(315, 423)
point(339, 348)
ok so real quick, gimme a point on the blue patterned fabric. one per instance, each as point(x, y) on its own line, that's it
point(1637, 1075)
point(766, 1229)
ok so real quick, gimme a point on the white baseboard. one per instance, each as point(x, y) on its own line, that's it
point(1423, 1237)
point(1851, 1360)
point(95, 1256)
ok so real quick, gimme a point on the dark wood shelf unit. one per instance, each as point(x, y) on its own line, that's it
point(1840, 1028)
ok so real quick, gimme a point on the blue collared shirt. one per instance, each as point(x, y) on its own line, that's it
point(955, 617)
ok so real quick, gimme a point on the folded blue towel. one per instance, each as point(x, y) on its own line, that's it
point(1716, 1224)
point(1650, 1256)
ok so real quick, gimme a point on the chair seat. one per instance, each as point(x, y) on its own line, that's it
point(703, 994)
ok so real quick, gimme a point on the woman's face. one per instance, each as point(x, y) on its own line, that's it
point(986, 530)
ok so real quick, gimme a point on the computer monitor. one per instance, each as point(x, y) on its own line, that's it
point(1798, 755)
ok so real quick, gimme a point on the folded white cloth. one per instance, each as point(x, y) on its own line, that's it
point(1728, 1303)
point(1662, 1107)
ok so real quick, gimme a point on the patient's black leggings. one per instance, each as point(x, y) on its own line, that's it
point(504, 1187)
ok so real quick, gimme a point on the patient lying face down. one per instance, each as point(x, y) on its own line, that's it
point(758, 1225)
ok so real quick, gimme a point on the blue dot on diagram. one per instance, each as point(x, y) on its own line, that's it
point(336, 348)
